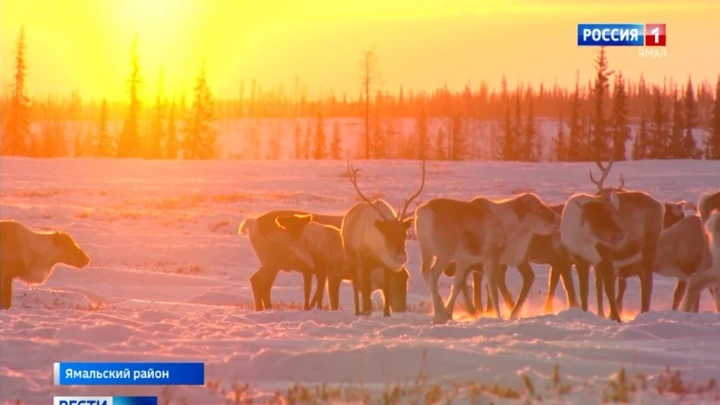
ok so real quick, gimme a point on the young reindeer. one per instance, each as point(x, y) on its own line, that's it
point(466, 232)
point(641, 217)
point(31, 256)
point(708, 203)
point(271, 246)
point(708, 277)
point(322, 245)
point(374, 236)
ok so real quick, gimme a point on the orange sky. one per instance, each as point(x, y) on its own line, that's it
point(84, 45)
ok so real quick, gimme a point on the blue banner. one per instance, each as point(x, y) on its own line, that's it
point(611, 34)
point(105, 400)
point(91, 373)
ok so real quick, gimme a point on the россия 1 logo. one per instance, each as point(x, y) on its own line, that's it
point(621, 35)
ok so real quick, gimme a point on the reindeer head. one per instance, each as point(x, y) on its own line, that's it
point(541, 219)
point(393, 230)
point(294, 225)
point(68, 251)
point(609, 194)
point(601, 223)
point(674, 213)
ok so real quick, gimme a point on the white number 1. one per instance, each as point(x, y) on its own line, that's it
point(656, 31)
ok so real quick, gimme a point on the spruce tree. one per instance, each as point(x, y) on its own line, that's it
point(440, 145)
point(575, 138)
point(129, 141)
point(599, 138)
point(560, 148)
point(306, 144)
point(336, 142)
point(319, 140)
point(621, 131)
point(458, 150)
point(530, 133)
point(103, 142)
point(520, 146)
point(421, 131)
point(172, 142)
point(690, 121)
point(200, 136)
point(658, 129)
point(640, 146)
point(676, 145)
point(508, 146)
point(16, 137)
point(712, 144)
point(153, 147)
point(298, 145)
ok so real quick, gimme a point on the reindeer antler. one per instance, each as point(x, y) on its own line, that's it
point(401, 214)
point(352, 174)
point(604, 171)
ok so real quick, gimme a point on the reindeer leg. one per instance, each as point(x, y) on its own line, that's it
point(599, 283)
point(502, 287)
point(566, 274)
point(622, 286)
point(467, 295)
point(365, 287)
point(5, 292)
point(461, 271)
point(552, 285)
point(387, 291)
point(583, 270)
point(307, 288)
point(334, 292)
point(439, 313)
point(646, 275)
point(492, 267)
point(477, 278)
point(607, 272)
point(321, 280)
point(257, 283)
point(528, 276)
point(678, 295)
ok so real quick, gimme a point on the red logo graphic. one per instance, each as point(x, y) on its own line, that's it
point(655, 35)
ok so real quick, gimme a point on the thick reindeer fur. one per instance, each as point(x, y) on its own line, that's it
point(523, 217)
point(707, 204)
point(589, 231)
point(320, 246)
point(271, 246)
point(31, 256)
point(464, 232)
point(369, 244)
point(709, 277)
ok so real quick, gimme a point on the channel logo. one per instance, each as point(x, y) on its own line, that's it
point(621, 35)
point(116, 400)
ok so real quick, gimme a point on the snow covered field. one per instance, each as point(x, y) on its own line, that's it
point(169, 282)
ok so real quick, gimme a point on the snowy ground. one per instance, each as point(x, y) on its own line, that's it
point(169, 281)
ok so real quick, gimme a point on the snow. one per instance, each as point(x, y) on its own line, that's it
point(169, 282)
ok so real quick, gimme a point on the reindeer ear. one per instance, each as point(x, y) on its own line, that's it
point(614, 200)
point(407, 223)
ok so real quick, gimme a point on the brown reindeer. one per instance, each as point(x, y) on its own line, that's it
point(374, 235)
point(31, 256)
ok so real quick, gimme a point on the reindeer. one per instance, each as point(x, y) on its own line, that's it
point(706, 205)
point(521, 217)
point(709, 277)
point(322, 244)
point(271, 246)
point(674, 212)
point(31, 256)
point(590, 231)
point(374, 235)
point(641, 217)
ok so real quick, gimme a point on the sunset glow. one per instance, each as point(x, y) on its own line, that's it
point(84, 46)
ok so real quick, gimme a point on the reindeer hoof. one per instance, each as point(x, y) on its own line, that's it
point(441, 318)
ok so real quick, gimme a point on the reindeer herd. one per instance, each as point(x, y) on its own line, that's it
point(621, 233)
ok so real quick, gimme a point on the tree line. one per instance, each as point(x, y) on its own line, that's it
point(593, 119)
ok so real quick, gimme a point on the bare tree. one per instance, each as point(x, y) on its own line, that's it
point(368, 66)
